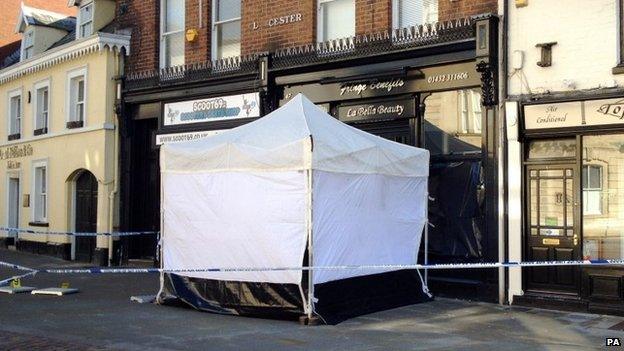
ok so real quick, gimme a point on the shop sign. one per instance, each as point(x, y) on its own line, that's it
point(574, 114)
point(384, 86)
point(182, 137)
point(377, 111)
point(16, 151)
point(212, 109)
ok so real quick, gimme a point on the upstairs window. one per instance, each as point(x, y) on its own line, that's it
point(85, 20)
point(41, 108)
point(408, 13)
point(172, 33)
point(40, 207)
point(77, 98)
point(28, 44)
point(15, 114)
point(226, 31)
point(336, 19)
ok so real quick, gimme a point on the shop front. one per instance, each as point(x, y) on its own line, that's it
point(573, 185)
point(169, 106)
point(433, 101)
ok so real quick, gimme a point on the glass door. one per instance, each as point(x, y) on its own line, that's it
point(552, 227)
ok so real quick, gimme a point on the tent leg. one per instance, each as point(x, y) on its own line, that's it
point(427, 240)
point(310, 251)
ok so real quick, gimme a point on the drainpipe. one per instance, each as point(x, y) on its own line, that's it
point(113, 193)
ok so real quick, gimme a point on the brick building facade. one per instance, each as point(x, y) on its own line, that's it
point(371, 16)
point(415, 60)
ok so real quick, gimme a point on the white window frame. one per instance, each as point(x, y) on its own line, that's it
point(215, 25)
point(320, 36)
point(588, 190)
point(162, 46)
point(28, 31)
point(82, 71)
point(469, 105)
point(79, 23)
point(38, 86)
point(396, 17)
point(35, 195)
point(10, 95)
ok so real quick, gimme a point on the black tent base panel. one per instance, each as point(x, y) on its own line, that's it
point(348, 298)
point(337, 300)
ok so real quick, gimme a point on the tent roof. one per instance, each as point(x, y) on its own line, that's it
point(297, 136)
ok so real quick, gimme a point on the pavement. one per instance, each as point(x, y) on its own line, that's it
point(102, 317)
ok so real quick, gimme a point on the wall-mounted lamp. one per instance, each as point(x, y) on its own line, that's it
point(546, 58)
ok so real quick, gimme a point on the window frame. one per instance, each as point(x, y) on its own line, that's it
point(36, 164)
point(44, 84)
point(320, 36)
point(28, 31)
point(71, 75)
point(214, 29)
point(10, 95)
point(599, 190)
point(80, 24)
point(162, 48)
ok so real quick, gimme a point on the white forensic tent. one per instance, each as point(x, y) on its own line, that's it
point(254, 196)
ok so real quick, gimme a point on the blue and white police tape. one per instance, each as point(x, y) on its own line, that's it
point(9, 280)
point(30, 231)
point(130, 270)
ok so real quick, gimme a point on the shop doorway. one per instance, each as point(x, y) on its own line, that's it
point(13, 204)
point(86, 215)
point(553, 227)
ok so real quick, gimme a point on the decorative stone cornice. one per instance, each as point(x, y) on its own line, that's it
point(77, 48)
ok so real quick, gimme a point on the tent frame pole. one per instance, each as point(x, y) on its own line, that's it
point(427, 238)
point(310, 250)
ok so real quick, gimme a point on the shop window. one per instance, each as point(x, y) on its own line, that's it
point(592, 190)
point(603, 203)
point(172, 33)
point(226, 31)
point(28, 44)
point(555, 148)
point(453, 122)
point(408, 13)
point(40, 201)
point(15, 114)
point(41, 108)
point(85, 20)
point(336, 19)
point(77, 98)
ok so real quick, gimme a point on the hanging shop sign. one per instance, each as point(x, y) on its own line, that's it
point(385, 110)
point(574, 114)
point(438, 78)
point(15, 151)
point(182, 137)
point(212, 109)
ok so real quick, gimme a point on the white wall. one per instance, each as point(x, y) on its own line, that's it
point(586, 32)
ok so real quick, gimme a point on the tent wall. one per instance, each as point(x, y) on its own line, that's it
point(235, 219)
point(365, 219)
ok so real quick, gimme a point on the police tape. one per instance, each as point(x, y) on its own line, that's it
point(382, 267)
point(30, 231)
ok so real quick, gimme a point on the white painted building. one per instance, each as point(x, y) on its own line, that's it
point(564, 114)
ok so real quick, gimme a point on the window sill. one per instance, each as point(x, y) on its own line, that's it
point(619, 69)
point(40, 131)
point(75, 124)
point(39, 224)
point(14, 136)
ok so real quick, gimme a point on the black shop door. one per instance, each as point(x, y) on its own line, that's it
point(553, 228)
point(86, 215)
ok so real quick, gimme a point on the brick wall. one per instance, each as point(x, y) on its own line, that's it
point(256, 33)
point(257, 14)
point(372, 16)
point(142, 17)
point(453, 9)
point(198, 50)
